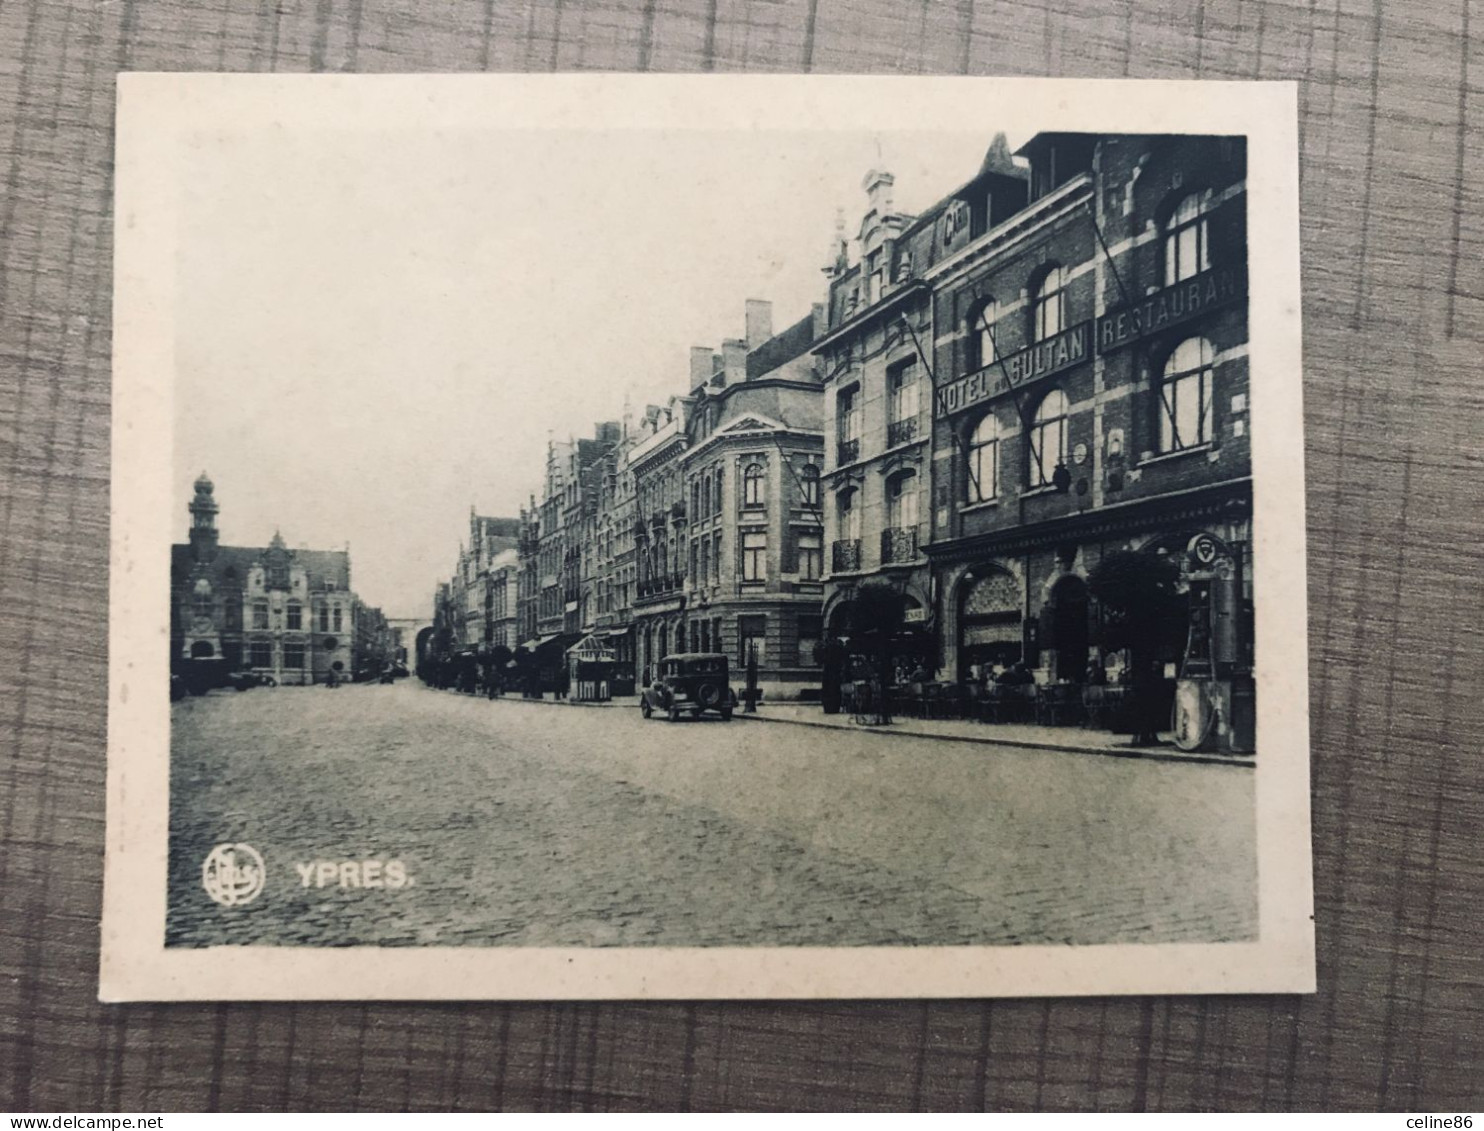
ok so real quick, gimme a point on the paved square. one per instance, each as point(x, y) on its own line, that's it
point(523, 824)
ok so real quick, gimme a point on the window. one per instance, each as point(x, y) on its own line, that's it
point(260, 615)
point(981, 334)
point(752, 640)
point(1187, 246)
point(901, 385)
point(293, 656)
point(847, 414)
point(260, 654)
point(847, 426)
point(809, 485)
point(984, 460)
point(811, 555)
point(1048, 446)
point(849, 514)
point(338, 622)
point(876, 265)
point(695, 560)
point(716, 558)
point(901, 500)
point(705, 570)
point(296, 616)
point(1049, 305)
point(752, 485)
point(1185, 397)
point(201, 600)
point(755, 555)
point(811, 632)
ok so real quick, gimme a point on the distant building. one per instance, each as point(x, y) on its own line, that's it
point(289, 614)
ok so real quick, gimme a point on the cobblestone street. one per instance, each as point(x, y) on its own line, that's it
point(536, 825)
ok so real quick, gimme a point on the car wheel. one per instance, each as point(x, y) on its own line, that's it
point(644, 708)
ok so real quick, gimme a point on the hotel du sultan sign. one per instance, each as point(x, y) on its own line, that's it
point(1058, 352)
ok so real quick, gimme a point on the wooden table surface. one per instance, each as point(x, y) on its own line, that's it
point(1393, 164)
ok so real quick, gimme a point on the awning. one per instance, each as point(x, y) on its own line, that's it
point(591, 647)
point(560, 642)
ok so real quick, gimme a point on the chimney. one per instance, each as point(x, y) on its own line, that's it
point(734, 361)
point(759, 322)
point(701, 366)
point(837, 262)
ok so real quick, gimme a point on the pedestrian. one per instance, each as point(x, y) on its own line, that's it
point(1018, 675)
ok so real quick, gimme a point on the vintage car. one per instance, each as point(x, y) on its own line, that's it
point(245, 680)
point(693, 682)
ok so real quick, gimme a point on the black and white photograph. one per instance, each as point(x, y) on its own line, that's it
point(680, 537)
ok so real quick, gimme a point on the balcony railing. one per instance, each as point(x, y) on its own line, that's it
point(901, 431)
point(845, 555)
point(655, 586)
point(847, 451)
point(898, 544)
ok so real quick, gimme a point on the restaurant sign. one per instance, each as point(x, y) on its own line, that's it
point(1171, 306)
point(1056, 353)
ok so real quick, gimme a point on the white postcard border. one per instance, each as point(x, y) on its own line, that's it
point(158, 114)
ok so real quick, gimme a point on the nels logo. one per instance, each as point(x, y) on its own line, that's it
point(233, 874)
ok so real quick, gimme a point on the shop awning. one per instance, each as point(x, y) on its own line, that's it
point(592, 647)
point(560, 642)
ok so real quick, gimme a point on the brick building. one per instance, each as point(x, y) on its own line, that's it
point(285, 613)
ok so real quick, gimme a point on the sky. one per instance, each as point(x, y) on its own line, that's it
point(377, 331)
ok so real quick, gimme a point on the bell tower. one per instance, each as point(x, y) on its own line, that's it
point(203, 510)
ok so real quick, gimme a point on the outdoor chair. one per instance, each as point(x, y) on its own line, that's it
point(1058, 704)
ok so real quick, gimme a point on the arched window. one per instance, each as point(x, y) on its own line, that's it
point(1048, 445)
point(984, 460)
point(752, 485)
point(981, 334)
point(1049, 305)
point(1187, 245)
point(809, 485)
point(201, 599)
point(1185, 396)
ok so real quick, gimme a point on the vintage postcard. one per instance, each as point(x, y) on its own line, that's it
point(706, 537)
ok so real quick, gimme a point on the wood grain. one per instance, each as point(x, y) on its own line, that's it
point(1393, 163)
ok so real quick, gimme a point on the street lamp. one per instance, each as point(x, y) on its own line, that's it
point(749, 694)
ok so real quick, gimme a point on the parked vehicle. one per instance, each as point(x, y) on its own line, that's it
point(177, 687)
point(243, 681)
point(694, 682)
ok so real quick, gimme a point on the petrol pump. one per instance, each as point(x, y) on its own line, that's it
point(1214, 707)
